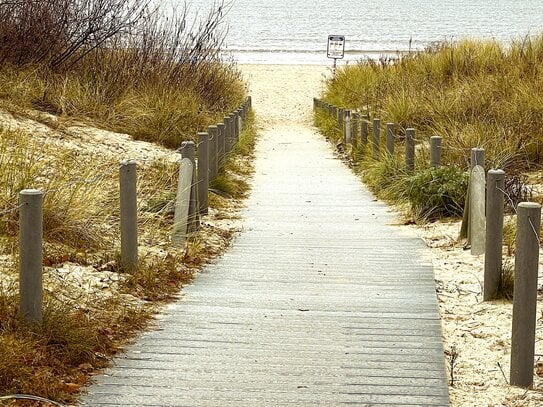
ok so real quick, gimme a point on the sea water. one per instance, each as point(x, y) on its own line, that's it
point(296, 31)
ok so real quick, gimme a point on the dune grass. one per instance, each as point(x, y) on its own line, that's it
point(136, 72)
point(53, 359)
point(472, 93)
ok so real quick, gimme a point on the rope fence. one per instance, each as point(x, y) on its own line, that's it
point(482, 224)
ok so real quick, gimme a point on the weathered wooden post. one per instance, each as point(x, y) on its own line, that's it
point(30, 255)
point(235, 124)
point(221, 146)
point(347, 128)
point(410, 150)
point(129, 215)
point(355, 131)
point(227, 136)
point(213, 146)
point(435, 151)
point(390, 139)
point(525, 294)
point(229, 133)
point(477, 157)
point(364, 129)
point(376, 138)
point(241, 121)
point(477, 189)
point(233, 135)
point(203, 172)
point(341, 115)
point(494, 232)
point(187, 150)
point(182, 203)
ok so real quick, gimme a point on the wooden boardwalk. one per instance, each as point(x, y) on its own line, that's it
point(318, 302)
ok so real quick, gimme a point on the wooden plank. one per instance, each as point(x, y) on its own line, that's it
point(182, 203)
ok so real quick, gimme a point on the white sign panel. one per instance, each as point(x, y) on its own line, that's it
point(336, 46)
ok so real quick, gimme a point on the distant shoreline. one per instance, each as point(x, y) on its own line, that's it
point(289, 57)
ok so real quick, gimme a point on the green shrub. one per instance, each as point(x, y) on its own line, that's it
point(438, 192)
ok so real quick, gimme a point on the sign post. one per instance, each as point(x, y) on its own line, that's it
point(336, 48)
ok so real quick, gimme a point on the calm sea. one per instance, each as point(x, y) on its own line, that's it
point(296, 31)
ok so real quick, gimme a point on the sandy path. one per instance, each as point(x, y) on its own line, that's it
point(289, 100)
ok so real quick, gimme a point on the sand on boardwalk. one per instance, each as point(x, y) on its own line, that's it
point(479, 331)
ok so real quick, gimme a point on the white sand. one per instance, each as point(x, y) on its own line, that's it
point(479, 331)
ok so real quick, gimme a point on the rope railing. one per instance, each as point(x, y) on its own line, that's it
point(196, 172)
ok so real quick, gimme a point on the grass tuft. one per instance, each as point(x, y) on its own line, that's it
point(53, 359)
point(506, 285)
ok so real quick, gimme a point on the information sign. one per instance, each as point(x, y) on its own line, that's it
point(336, 46)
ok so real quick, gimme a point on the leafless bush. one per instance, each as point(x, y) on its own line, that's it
point(516, 190)
point(130, 66)
point(61, 33)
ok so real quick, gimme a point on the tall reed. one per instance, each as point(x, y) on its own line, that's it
point(119, 63)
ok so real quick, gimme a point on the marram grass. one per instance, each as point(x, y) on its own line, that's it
point(472, 93)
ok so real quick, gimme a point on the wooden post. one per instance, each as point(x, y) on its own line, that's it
point(390, 139)
point(213, 155)
point(129, 215)
point(476, 206)
point(30, 254)
point(494, 232)
point(233, 136)
point(355, 129)
point(347, 128)
point(220, 144)
point(525, 294)
point(188, 151)
point(364, 129)
point(203, 172)
point(410, 150)
point(477, 157)
point(376, 138)
point(182, 203)
point(435, 151)
point(227, 136)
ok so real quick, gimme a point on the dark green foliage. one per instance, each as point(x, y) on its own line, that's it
point(438, 192)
